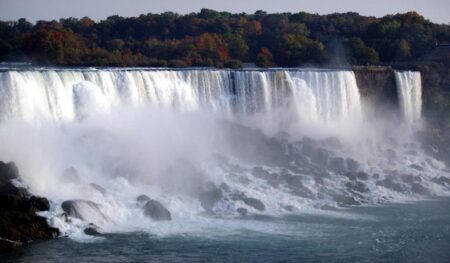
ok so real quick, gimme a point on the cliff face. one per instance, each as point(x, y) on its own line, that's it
point(378, 88)
point(436, 108)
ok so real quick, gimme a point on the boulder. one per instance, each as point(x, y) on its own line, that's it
point(142, 199)
point(337, 164)
point(389, 183)
point(93, 230)
point(209, 198)
point(98, 188)
point(417, 167)
point(352, 165)
point(255, 203)
point(84, 210)
point(156, 211)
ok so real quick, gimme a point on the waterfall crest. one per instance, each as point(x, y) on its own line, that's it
point(281, 96)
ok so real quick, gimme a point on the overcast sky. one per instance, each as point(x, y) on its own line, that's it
point(436, 10)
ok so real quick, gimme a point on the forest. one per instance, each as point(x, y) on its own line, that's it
point(223, 40)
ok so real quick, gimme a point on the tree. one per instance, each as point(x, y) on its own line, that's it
point(264, 58)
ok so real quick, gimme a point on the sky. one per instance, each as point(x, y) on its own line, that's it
point(437, 11)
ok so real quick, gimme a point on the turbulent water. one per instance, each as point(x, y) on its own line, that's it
point(209, 145)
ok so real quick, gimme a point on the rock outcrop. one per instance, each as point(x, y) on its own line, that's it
point(19, 223)
point(156, 211)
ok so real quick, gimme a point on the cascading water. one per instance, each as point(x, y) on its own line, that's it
point(409, 88)
point(206, 141)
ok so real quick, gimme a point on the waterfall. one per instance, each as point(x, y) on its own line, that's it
point(409, 88)
point(280, 97)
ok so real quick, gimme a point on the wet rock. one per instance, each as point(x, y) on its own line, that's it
point(417, 167)
point(291, 180)
point(93, 230)
point(8, 171)
point(259, 172)
point(142, 199)
point(83, 209)
point(98, 188)
point(225, 187)
point(337, 164)
point(244, 180)
point(350, 176)
point(344, 200)
point(352, 165)
point(409, 178)
point(210, 198)
point(40, 203)
point(242, 211)
point(442, 180)
point(419, 189)
point(303, 191)
point(357, 187)
point(7, 245)
point(320, 157)
point(362, 176)
point(19, 222)
point(255, 203)
point(156, 211)
point(389, 183)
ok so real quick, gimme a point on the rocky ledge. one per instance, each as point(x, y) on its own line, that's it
point(19, 223)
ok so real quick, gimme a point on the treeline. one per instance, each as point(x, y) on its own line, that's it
point(221, 39)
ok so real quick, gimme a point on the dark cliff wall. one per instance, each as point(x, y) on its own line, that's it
point(378, 88)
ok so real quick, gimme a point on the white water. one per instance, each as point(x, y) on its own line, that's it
point(409, 87)
point(174, 134)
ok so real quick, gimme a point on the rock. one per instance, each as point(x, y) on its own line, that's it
point(350, 176)
point(7, 245)
point(225, 187)
point(19, 222)
point(357, 187)
point(156, 211)
point(417, 167)
point(242, 211)
point(337, 164)
point(84, 210)
point(442, 180)
point(419, 189)
point(210, 198)
point(362, 176)
point(255, 203)
point(8, 171)
point(98, 188)
point(142, 199)
point(93, 230)
point(352, 165)
point(343, 200)
point(40, 203)
point(409, 178)
point(259, 172)
point(389, 183)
